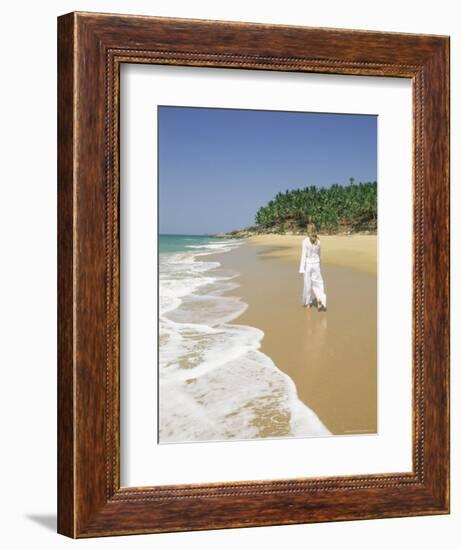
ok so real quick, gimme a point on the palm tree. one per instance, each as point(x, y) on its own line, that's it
point(353, 207)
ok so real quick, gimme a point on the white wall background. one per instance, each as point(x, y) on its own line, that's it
point(28, 271)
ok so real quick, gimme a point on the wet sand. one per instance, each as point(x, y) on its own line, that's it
point(331, 356)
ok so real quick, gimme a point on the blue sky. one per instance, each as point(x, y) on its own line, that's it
point(218, 166)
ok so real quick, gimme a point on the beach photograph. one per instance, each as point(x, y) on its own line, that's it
point(267, 274)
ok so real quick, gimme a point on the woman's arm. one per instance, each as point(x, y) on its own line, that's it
point(302, 265)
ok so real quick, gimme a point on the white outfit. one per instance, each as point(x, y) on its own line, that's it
point(310, 266)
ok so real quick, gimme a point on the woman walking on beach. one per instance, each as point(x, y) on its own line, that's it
point(310, 267)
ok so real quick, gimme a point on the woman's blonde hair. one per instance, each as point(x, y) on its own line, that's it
point(312, 232)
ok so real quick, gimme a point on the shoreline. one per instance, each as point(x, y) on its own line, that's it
point(215, 383)
point(330, 356)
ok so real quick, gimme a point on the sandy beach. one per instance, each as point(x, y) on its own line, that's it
point(331, 356)
point(357, 252)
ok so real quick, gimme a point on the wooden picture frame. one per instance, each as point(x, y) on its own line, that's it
point(91, 48)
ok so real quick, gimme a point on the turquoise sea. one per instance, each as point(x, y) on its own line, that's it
point(182, 243)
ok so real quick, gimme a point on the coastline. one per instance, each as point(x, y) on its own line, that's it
point(215, 383)
point(331, 356)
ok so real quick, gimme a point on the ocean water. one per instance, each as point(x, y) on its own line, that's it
point(182, 243)
point(214, 382)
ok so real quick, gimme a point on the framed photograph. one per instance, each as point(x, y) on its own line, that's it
point(253, 252)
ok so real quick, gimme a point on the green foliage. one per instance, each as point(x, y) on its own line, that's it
point(353, 207)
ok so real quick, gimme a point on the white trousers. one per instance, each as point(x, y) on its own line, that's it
point(313, 282)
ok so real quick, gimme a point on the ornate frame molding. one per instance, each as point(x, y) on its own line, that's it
point(91, 49)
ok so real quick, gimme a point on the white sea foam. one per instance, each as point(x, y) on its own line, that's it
point(214, 382)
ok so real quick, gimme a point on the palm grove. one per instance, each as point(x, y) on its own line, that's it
point(337, 208)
